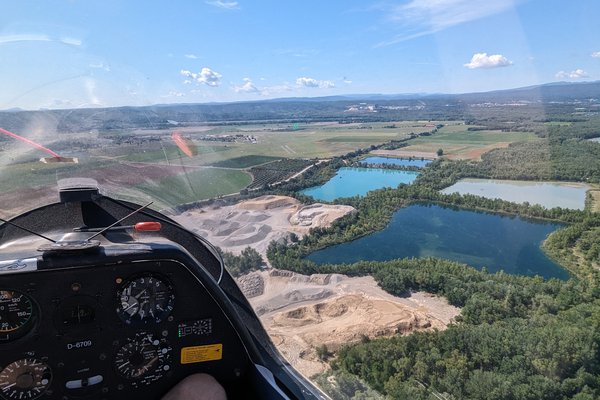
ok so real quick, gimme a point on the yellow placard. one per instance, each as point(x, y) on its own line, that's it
point(197, 354)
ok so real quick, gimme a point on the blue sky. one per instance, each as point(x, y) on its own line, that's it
point(63, 54)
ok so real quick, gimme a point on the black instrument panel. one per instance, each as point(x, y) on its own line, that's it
point(112, 330)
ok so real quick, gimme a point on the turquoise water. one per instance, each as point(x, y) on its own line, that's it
point(349, 182)
point(397, 161)
point(478, 239)
point(547, 194)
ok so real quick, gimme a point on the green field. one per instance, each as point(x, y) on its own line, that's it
point(272, 140)
point(245, 161)
point(357, 139)
point(169, 153)
point(196, 185)
point(459, 143)
point(558, 123)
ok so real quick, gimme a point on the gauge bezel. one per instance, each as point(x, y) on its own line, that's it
point(29, 362)
point(164, 358)
point(26, 328)
point(136, 322)
point(78, 300)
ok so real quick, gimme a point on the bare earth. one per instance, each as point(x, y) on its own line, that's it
point(402, 153)
point(258, 221)
point(596, 200)
point(303, 312)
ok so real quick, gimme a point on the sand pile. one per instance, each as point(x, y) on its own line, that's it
point(303, 312)
point(258, 221)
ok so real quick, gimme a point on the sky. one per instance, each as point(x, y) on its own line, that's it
point(75, 53)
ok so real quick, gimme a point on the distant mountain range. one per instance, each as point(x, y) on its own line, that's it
point(381, 107)
point(555, 91)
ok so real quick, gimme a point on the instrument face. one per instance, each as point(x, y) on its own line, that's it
point(17, 314)
point(25, 379)
point(143, 359)
point(145, 299)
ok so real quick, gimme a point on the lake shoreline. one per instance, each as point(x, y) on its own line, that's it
point(527, 258)
point(548, 194)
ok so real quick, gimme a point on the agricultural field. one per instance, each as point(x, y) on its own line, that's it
point(276, 171)
point(143, 163)
point(245, 161)
point(195, 185)
point(459, 143)
point(315, 140)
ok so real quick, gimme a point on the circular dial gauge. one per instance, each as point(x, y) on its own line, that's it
point(16, 314)
point(144, 359)
point(145, 299)
point(25, 379)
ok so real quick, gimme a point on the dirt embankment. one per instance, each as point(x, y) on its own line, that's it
point(303, 312)
point(258, 221)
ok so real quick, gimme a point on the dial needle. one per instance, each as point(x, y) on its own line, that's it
point(123, 365)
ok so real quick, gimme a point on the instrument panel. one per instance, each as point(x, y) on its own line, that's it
point(114, 330)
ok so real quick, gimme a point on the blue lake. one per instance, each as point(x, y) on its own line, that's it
point(349, 182)
point(475, 238)
point(405, 162)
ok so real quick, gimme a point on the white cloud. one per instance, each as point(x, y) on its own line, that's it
point(24, 38)
point(311, 83)
point(596, 54)
point(424, 17)
point(206, 76)
point(191, 56)
point(226, 5)
point(28, 37)
point(247, 87)
point(71, 41)
point(482, 60)
point(578, 73)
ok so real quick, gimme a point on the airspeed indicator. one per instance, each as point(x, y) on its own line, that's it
point(16, 314)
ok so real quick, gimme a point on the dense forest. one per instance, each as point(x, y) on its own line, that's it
point(516, 338)
point(249, 260)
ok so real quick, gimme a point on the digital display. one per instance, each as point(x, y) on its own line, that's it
point(201, 327)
